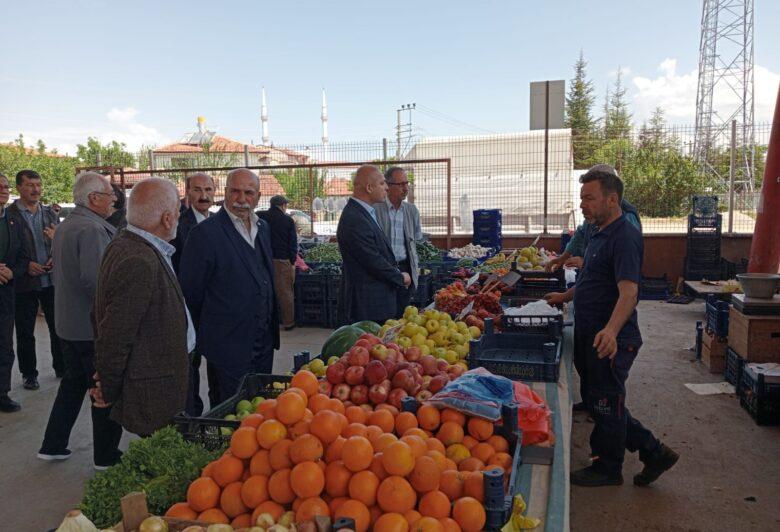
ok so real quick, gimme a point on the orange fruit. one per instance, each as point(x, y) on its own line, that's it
point(252, 420)
point(254, 491)
point(260, 464)
point(337, 478)
point(355, 510)
point(373, 432)
point(376, 513)
point(398, 459)
point(469, 514)
point(353, 429)
point(202, 494)
point(230, 501)
point(241, 521)
point(228, 469)
point(214, 516)
point(448, 414)
point(306, 381)
point(435, 504)
point(272, 508)
point(335, 503)
point(381, 442)
point(182, 510)
point(457, 452)
point(306, 448)
point(498, 443)
point(336, 406)
point(279, 456)
point(416, 444)
point(451, 483)
point(439, 459)
point(474, 485)
point(290, 408)
point(395, 494)
point(310, 508)
point(279, 487)
point(208, 471)
point(363, 486)
point(299, 429)
point(299, 391)
point(357, 453)
point(502, 460)
point(412, 516)
point(390, 408)
point(405, 421)
point(382, 419)
point(266, 407)
point(435, 444)
point(307, 480)
point(480, 429)
point(343, 420)
point(269, 432)
point(377, 468)
point(333, 451)
point(427, 524)
point(428, 417)
point(469, 442)
point(425, 475)
point(417, 432)
point(450, 433)
point(355, 414)
point(391, 522)
point(483, 451)
point(471, 464)
point(318, 402)
point(450, 525)
point(326, 425)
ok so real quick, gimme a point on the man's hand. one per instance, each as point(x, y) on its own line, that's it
point(5, 274)
point(553, 264)
point(35, 269)
point(407, 279)
point(97, 394)
point(574, 262)
point(606, 343)
point(555, 298)
point(49, 231)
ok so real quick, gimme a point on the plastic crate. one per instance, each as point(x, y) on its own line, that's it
point(208, 428)
point(551, 326)
point(729, 270)
point(705, 224)
point(760, 398)
point(517, 356)
point(654, 288)
point(422, 294)
point(717, 314)
point(313, 314)
point(311, 287)
point(488, 242)
point(440, 267)
point(486, 215)
point(708, 246)
point(694, 272)
point(733, 370)
point(333, 287)
point(705, 205)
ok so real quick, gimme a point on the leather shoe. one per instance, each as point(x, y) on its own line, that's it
point(593, 477)
point(8, 405)
point(660, 462)
point(31, 383)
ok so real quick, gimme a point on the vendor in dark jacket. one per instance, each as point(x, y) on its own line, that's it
point(284, 246)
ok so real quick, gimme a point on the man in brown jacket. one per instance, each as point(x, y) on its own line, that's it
point(143, 329)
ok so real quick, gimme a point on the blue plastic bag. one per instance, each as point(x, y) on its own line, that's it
point(477, 392)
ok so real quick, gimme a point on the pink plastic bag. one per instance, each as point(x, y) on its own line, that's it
point(533, 416)
point(299, 264)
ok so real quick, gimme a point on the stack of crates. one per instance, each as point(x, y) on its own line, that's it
point(316, 302)
point(487, 228)
point(702, 259)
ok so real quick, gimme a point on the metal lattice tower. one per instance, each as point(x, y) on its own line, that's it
point(726, 73)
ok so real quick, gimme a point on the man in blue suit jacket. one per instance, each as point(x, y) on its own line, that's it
point(371, 277)
point(226, 275)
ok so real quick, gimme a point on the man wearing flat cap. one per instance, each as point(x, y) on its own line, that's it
point(284, 245)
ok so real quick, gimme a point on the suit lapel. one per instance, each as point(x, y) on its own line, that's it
point(377, 230)
point(239, 244)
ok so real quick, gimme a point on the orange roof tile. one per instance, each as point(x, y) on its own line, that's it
point(218, 144)
point(338, 186)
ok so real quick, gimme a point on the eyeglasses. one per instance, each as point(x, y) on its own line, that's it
point(402, 183)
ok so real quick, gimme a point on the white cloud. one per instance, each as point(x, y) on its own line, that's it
point(676, 94)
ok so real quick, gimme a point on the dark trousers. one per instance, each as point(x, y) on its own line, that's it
point(194, 402)
point(26, 313)
point(228, 379)
point(614, 430)
point(404, 293)
point(6, 336)
point(79, 369)
point(580, 355)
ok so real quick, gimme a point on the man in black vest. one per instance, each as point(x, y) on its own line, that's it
point(284, 244)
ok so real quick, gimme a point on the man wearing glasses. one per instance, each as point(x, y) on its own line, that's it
point(400, 221)
point(36, 286)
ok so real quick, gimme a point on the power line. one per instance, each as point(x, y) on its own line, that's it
point(432, 113)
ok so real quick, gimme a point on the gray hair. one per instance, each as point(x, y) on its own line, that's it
point(149, 199)
point(236, 171)
point(86, 183)
point(189, 178)
point(3, 176)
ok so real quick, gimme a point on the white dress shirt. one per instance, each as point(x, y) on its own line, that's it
point(198, 216)
point(248, 236)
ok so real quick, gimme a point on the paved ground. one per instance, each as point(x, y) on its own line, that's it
point(726, 458)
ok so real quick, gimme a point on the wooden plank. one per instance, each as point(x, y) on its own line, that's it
point(754, 338)
point(713, 352)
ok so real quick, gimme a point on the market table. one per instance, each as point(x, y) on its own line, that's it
point(545, 488)
point(699, 289)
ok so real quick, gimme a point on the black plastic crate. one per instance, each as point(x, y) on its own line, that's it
point(550, 326)
point(333, 286)
point(211, 429)
point(704, 206)
point(440, 267)
point(729, 270)
point(733, 368)
point(694, 272)
point(422, 294)
point(705, 224)
point(703, 245)
point(518, 356)
point(717, 314)
point(760, 398)
point(313, 314)
point(311, 287)
point(654, 288)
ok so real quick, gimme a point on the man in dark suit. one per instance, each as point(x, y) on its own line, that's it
point(13, 264)
point(199, 195)
point(226, 274)
point(284, 245)
point(371, 277)
point(143, 332)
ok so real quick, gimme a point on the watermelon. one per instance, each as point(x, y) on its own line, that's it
point(341, 340)
point(368, 326)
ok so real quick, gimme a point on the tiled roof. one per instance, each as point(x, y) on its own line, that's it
point(218, 144)
point(269, 186)
point(337, 186)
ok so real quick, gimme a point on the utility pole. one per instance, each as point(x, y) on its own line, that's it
point(403, 132)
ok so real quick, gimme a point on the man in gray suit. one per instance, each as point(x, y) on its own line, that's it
point(400, 221)
point(76, 252)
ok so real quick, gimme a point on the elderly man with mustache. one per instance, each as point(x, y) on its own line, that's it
point(226, 274)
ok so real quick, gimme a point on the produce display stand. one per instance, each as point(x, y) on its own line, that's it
point(702, 290)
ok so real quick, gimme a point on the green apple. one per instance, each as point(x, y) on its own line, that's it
point(243, 405)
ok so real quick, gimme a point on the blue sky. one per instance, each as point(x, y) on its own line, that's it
point(142, 71)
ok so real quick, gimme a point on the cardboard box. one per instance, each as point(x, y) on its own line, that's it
point(713, 352)
point(754, 338)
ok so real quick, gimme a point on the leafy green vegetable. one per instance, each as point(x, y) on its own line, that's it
point(428, 252)
point(161, 466)
point(324, 253)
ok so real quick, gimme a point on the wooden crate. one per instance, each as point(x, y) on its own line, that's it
point(754, 338)
point(713, 352)
point(134, 511)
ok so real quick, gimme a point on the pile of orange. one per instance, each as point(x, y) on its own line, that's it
point(388, 471)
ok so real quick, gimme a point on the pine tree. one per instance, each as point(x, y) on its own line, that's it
point(579, 118)
point(618, 117)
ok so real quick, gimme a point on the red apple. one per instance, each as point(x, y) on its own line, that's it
point(392, 354)
point(359, 394)
point(367, 408)
point(413, 353)
point(402, 365)
point(423, 395)
point(386, 384)
point(325, 387)
point(357, 356)
point(375, 372)
point(335, 373)
point(417, 368)
point(379, 352)
point(393, 345)
point(442, 365)
point(390, 366)
point(341, 392)
point(426, 381)
point(363, 343)
point(395, 396)
point(354, 375)
point(404, 380)
point(377, 394)
point(438, 382)
point(429, 365)
point(456, 370)
point(373, 340)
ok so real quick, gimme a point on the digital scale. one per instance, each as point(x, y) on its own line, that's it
point(751, 306)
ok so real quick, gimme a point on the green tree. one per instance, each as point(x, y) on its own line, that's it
point(653, 134)
point(579, 116)
point(295, 183)
point(110, 154)
point(57, 173)
point(617, 120)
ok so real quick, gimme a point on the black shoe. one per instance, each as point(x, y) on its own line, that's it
point(31, 383)
point(50, 456)
point(8, 405)
point(579, 407)
point(593, 477)
point(661, 461)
